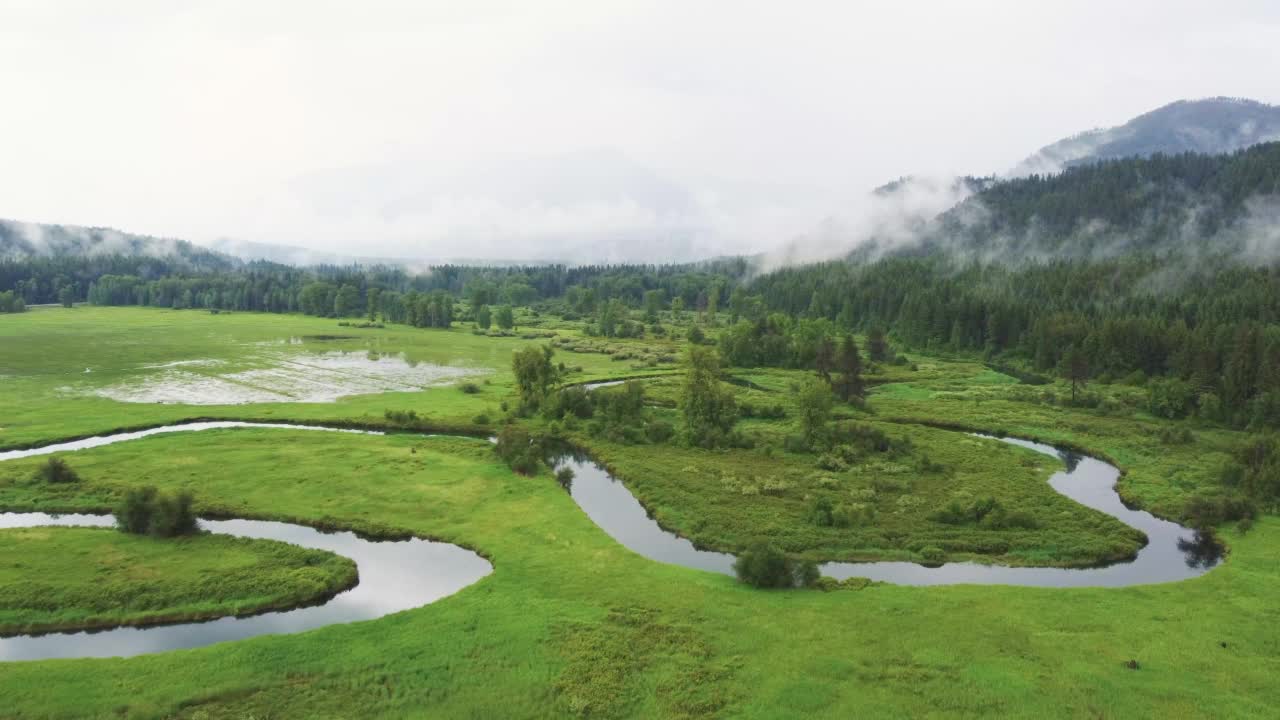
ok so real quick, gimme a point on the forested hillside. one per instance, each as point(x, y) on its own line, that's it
point(22, 241)
point(1185, 203)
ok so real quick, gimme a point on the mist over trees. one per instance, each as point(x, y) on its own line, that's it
point(1184, 203)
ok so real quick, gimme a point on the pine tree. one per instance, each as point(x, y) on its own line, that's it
point(824, 359)
point(849, 364)
point(877, 347)
point(1075, 367)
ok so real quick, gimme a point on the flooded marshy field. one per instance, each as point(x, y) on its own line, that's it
point(282, 376)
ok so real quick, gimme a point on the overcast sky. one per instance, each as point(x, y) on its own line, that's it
point(531, 129)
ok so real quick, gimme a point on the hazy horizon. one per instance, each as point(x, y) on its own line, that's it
point(608, 131)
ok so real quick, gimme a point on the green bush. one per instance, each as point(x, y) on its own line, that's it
point(520, 451)
point(56, 470)
point(1176, 436)
point(846, 516)
point(146, 511)
point(659, 431)
point(134, 512)
point(469, 388)
point(765, 566)
point(172, 515)
point(933, 555)
point(821, 512)
point(806, 574)
point(925, 465)
point(795, 443)
point(987, 512)
point(574, 400)
point(1206, 510)
point(401, 417)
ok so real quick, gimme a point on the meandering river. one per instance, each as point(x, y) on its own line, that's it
point(1172, 553)
point(399, 575)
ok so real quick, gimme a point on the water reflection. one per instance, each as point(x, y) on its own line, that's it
point(1070, 458)
point(1203, 550)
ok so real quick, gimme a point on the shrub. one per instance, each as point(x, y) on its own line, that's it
point(564, 476)
point(574, 400)
point(795, 443)
point(518, 449)
point(1137, 378)
point(481, 419)
point(845, 516)
point(832, 461)
point(1256, 469)
point(765, 412)
point(933, 555)
point(1170, 397)
point(172, 515)
point(134, 513)
point(401, 417)
point(146, 511)
point(860, 439)
point(56, 470)
point(821, 512)
point(765, 566)
point(928, 466)
point(469, 388)
point(977, 512)
point(1208, 510)
point(806, 574)
point(1000, 519)
point(659, 431)
point(1176, 436)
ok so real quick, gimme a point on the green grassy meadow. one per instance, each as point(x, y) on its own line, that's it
point(75, 578)
point(572, 624)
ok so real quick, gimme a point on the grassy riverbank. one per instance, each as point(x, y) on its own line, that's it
point(570, 623)
point(66, 578)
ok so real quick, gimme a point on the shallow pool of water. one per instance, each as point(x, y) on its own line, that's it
point(294, 377)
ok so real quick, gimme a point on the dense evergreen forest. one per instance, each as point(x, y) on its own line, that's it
point(1185, 203)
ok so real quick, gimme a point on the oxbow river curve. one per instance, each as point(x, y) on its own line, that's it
point(400, 575)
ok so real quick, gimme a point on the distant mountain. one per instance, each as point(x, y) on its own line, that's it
point(22, 240)
point(1189, 202)
point(1212, 126)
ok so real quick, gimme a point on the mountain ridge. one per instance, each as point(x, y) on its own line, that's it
point(1210, 125)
